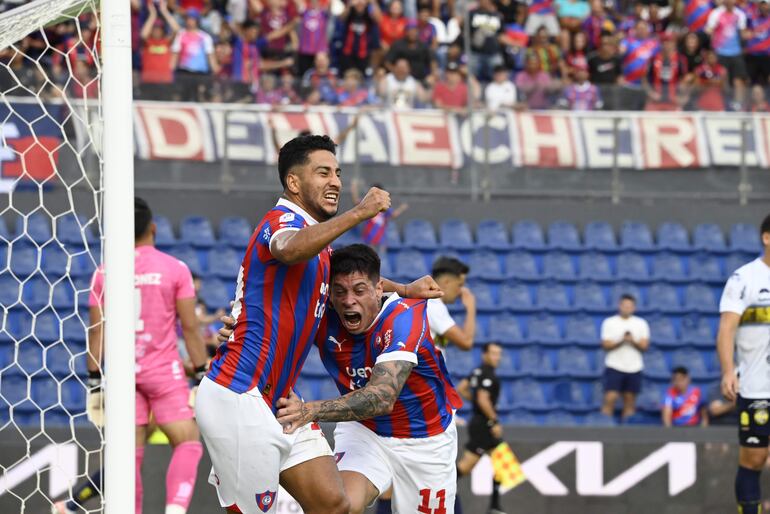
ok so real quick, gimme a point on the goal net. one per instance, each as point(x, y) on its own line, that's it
point(51, 235)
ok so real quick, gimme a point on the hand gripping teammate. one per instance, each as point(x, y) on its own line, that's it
point(280, 301)
point(164, 293)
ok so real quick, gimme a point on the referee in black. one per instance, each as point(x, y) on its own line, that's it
point(482, 387)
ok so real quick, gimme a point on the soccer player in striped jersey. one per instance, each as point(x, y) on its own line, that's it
point(395, 418)
point(280, 301)
point(373, 231)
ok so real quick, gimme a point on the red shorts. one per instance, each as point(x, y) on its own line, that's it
point(168, 400)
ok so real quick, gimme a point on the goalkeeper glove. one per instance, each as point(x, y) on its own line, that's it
point(95, 399)
point(198, 375)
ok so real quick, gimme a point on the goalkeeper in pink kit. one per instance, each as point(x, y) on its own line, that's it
point(164, 292)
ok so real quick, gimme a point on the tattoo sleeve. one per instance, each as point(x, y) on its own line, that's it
point(375, 399)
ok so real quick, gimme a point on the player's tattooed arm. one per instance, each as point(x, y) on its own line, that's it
point(375, 399)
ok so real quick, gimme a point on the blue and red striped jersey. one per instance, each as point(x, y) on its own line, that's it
point(696, 14)
point(400, 332)
point(374, 229)
point(278, 309)
point(759, 43)
point(637, 54)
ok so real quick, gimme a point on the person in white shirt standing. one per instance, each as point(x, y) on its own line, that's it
point(449, 273)
point(744, 325)
point(500, 93)
point(624, 338)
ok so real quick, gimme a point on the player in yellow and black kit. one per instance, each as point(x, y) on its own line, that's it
point(482, 387)
point(744, 326)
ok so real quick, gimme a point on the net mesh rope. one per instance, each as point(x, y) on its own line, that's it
point(50, 244)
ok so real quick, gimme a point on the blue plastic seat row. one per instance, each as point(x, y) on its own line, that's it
point(198, 231)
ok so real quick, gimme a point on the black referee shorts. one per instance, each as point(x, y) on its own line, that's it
point(481, 440)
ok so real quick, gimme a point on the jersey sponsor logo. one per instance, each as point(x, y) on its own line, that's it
point(338, 457)
point(404, 305)
point(753, 440)
point(487, 382)
point(286, 218)
point(388, 338)
point(759, 404)
point(333, 339)
point(761, 417)
point(265, 500)
point(756, 315)
point(358, 372)
point(744, 419)
point(148, 279)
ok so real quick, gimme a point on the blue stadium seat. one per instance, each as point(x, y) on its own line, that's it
point(700, 298)
point(459, 362)
point(419, 234)
point(597, 419)
point(327, 389)
point(599, 235)
point(55, 263)
point(662, 332)
point(697, 331)
point(576, 363)
point(673, 236)
point(516, 298)
point(456, 234)
point(215, 294)
point(530, 359)
point(695, 364)
point(386, 270)
point(563, 235)
point(164, 232)
point(735, 261)
point(74, 332)
point(492, 235)
point(348, 238)
point(528, 394)
point(5, 234)
point(581, 329)
point(705, 268)
point(58, 360)
point(235, 231)
point(24, 258)
point(410, 264)
point(543, 329)
point(558, 266)
point(519, 417)
point(744, 237)
point(35, 293)
point(505, 329)
point(527, 235)
point(485, 297)
point(82, 265)
point(224, 262)
point(521, 265)
point(45, 392)
point(668, 266)
point(708, 237)
point(30, 356)
point(10, 290)
point(36, 226)
point(198, 232)
point(636, 236)
point(621, 288)
point(76, 230)
point(595, 266)
point(190, 257)
point(485, 264)
point(559, 418)
point(552, 296)
point(313, 365)
point(13, 389)
point(47, 327)
point(655, 365)
point(632, 266)
point(570, 395)
point(392, 236)
point(63, 296)
point(664, 298)
point(590, 297)
point(507, 369)
point(73, 396)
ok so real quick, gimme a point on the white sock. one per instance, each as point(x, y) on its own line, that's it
point(175, 509)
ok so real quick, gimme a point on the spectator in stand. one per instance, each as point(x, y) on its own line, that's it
point(624, 338)
point(759, 99)
point(596, 24)
point(360, 20)
point(500, 93)
point(322, 78)
point(581, 95)
point(637, 52)
point(392, 25)
point(422, 60)
point(727, 27)
point(353, 93)
point(450, 274)
point(452, 93)
point(193, 59)
point(313, 39)
point(288, 89)
point(515, 40)
point(277, 21)
point(664, 80)
point(182, 6)
point(247, 63)
point(692, 51)
point(269, 92)
point(534, 85)
point(577, 56)
point(400, 89)
point(572, 13)
point(541, 13)
point(605, 69)
point(509, 10)
point(683, 405)
point(547, 53)
point(696, 14)
point(156, 52)
point(426, 32)
point(657, 18)
point(758, 45)
point(627, 25)
point(486, 28)
point(211, 18)
point(711, 81)
point(721, 411)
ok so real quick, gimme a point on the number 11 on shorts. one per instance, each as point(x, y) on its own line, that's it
point(424, 507)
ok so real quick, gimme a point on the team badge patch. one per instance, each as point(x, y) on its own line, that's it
point(286, 218)
point(338, 457)
point(265, 500)
point(761, 417)
point(744, 419)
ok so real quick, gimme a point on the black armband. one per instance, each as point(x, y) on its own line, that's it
point(94, 381)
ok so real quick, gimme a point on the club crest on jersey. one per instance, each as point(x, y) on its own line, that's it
point(388, 338)
point(338, 457)
point(286, 218)
point(265, 500)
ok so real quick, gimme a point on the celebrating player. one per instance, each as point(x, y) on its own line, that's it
point(164, 292)
point(744, 323)
point(396, 416)
point(280, 301)
point(485, 431)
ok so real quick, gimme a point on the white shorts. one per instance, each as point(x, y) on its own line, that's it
point(421, 471)
point(248, 448)
point(549, 21)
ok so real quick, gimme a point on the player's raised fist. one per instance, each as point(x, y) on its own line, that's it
point(375, 202)
point(424, 288)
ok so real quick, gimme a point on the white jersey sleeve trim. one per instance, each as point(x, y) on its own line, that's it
point(397, 356)
point(281, 231)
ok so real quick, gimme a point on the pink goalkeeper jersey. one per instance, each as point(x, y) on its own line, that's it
point(160, 280)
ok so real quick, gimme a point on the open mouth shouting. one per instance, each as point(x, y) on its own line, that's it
point(332, 198)
point(352, 321)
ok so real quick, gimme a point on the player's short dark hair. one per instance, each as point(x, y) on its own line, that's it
point(295, 152)
point(765, 227)
point(142, 217)
point(449, 266)
point(356, 258)
point(680, 370)
point(627, 296)
point(486, 346)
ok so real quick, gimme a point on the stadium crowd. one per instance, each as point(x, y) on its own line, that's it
point(565, 54)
